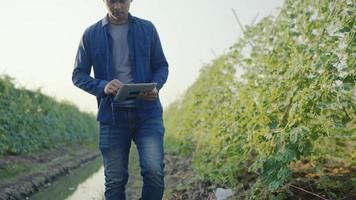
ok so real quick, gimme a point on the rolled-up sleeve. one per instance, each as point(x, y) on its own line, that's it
point(82, 68)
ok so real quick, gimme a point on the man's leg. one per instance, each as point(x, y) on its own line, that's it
point(149, 141)
point(116, 174)
point(115, 142)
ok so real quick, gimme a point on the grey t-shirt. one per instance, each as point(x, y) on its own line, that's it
point(121, 59)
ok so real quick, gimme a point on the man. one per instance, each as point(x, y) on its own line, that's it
point(121, 49)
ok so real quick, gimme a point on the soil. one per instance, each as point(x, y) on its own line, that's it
point(182, 182)
point(37, 170)
point(331, 183)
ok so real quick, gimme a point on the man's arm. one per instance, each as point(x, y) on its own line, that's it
point(159, 64)
point(82, 67)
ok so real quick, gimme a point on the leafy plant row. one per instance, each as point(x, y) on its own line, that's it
point(31, 121)
point(295, 100)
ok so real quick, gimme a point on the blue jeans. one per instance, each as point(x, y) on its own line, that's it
point(115, 143)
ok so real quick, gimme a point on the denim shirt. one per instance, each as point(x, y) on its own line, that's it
point(149, 65)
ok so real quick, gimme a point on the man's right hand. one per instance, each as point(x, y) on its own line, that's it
point(112, 87)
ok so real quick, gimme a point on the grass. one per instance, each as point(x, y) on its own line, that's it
point(12, 170)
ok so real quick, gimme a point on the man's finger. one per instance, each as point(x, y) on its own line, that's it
point(117, 81)
point(113, 88)
point(116, 84)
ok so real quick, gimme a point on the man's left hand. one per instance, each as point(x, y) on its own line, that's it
point(149, 96)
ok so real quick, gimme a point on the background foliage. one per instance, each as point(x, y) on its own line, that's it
point(296, 100)
point(31, 121)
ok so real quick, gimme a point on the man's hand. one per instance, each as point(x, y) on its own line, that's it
point(149, 96)
point(112, 87)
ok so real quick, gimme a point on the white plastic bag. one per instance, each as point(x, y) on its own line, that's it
point(222, 194)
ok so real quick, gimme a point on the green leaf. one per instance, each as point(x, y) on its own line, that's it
point(345, 30)
point(274, 185)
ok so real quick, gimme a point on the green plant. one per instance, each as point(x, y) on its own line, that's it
point(295, 100)
point(31, 121)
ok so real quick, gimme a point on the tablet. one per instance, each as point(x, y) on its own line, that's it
point(132, 90)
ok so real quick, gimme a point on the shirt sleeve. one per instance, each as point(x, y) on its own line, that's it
point(82, 68)
point(159, 64)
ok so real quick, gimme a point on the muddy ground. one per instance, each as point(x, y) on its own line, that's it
point(23, 175)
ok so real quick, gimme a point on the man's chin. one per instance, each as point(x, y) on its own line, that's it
point(119, 17)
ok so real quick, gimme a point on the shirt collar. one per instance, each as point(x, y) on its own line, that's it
point(105, 20)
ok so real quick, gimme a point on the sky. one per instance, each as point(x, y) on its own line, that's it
point(39, 39)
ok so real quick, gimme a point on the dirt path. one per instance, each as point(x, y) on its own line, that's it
point(178, 178)
point(134, 185)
